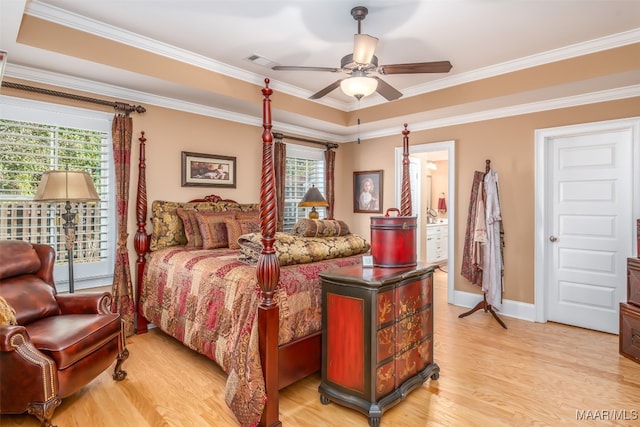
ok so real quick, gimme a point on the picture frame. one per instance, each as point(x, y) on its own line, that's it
point(207, 170)
point(367, 191)
point(367, 261)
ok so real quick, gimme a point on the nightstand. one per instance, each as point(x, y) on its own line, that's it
point(377, 336)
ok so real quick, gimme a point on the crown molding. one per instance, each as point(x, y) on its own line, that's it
point(91, 26)
point(129, 38)
point(516, 110)
point(74, 83)
point(579, 49)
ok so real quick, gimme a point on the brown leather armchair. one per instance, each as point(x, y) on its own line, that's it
point(60, 343)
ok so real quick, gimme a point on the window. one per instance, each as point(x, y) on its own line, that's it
point(305, 167)
point(36, 137)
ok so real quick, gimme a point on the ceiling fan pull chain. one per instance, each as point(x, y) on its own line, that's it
point(358, 123)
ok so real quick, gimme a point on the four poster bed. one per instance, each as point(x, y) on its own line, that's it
point(254, 308)
point(251, 303)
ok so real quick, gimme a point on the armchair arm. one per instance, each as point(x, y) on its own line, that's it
point(26, 374)
point(7, 332)
point(85, 303)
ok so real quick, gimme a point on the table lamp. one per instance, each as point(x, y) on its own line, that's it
point(312, 199)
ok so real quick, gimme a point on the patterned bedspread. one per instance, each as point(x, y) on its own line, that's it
point(208, 300)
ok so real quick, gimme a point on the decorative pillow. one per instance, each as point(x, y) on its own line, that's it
point(213, 229)
point(241, 207)
point(320, 228)
point(252, 215)
point(7, 313)
point(238, 227)
point(191, 226)
point(292, 249)
point(168, 229)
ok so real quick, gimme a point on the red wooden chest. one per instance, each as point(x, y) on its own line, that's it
point(393, 240)
point(633, 281)
point(630, 331)
point(377, 336)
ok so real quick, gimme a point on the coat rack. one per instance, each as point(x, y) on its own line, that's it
point(484, 305)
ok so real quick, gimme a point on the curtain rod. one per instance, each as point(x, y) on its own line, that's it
point(329, 145)
point(120, 106)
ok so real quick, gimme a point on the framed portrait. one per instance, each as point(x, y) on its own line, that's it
point(206, 170)
point(367, 191)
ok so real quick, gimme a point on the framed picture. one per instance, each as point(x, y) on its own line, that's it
point(206, 170)
point(367, 191)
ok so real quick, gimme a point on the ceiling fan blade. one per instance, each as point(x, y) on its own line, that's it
point(297, 68)
point(386, 90)
point(326, 90)
point(416, 68)
point(364, 47)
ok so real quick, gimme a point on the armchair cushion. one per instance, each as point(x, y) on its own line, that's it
point(18, 258)
point(69, 338)
point(31, 298)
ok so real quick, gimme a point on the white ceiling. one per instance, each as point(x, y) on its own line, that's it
point(480, 37)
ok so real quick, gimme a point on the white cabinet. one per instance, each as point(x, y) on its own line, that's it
point(437, 237)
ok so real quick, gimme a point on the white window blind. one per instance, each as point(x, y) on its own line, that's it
point(36, 137)
point(305, 167)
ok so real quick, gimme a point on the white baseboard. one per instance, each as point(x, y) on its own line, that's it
point(517, 309)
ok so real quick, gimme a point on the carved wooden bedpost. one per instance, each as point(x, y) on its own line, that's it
point(405, 201)
point(141, 240)
point(268, 270)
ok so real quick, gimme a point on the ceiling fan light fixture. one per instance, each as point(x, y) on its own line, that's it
point(359, 86)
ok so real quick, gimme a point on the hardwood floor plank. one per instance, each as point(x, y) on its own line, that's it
point(531, 374)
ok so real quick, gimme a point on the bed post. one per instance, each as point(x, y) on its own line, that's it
point(268, 271)
point(405, 201)
point(141, 240)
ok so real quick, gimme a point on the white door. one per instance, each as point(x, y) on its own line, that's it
point(591, 193)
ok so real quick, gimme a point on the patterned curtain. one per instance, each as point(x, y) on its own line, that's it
point(280, 169)
point(329, 179)
point(122, 290)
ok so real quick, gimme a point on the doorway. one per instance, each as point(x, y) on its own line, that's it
point(587, 199)
point(448, 150)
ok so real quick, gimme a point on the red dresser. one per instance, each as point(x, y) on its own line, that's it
point(377, 341)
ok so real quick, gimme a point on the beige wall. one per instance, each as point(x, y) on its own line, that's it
point(508, 142)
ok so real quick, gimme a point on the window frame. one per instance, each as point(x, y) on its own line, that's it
point(91, 274)
point(303, 152)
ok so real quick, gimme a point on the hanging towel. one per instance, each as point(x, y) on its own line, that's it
point(492, 268)
point(442, 205)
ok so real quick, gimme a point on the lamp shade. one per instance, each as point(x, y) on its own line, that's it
point(313, 198)
point(359, 85)
point(364, 46)
point(63, 185)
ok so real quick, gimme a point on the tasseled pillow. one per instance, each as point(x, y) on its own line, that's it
point(7, 313)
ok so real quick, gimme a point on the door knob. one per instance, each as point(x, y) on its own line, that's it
point(553, 239)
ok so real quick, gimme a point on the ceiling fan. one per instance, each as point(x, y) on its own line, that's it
point(363, 69)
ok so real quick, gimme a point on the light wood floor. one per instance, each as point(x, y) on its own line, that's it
point(529, 375)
